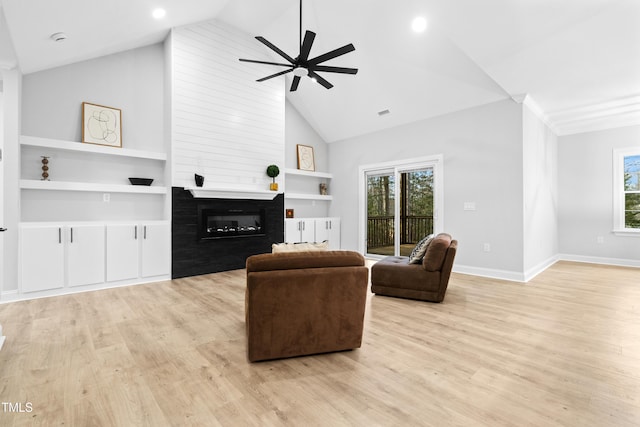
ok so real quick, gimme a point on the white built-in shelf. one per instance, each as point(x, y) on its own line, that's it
point(305, 196)
point(32, 184)
point(47, 143)
point(310, 174)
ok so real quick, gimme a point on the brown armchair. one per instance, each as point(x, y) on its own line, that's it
point(427, 281)
point(303, 303)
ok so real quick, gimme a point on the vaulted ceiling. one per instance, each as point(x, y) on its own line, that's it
point(579, 60)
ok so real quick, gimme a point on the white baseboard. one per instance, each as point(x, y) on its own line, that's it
point(621, 262)
point(512, 276)
point(537, 269)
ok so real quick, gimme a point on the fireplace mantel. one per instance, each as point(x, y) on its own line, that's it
point(231, 193)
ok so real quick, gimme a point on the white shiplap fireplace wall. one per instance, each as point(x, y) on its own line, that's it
point(225, 125)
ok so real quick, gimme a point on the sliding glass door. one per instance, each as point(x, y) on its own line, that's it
point(401, 207)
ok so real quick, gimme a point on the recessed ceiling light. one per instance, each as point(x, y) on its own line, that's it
point(419, 24)
point(159, 13)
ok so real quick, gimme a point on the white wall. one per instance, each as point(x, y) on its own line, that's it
point(482, 149)
point(131, 81)
point(540, 182)
point(585, 194)
point(299, 131)
point(225, 125)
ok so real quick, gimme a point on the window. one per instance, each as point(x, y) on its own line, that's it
point(626, 186)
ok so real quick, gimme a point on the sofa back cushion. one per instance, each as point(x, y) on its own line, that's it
point(295, 260)
point(436, 252)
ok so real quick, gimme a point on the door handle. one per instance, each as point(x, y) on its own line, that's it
point(71, 234)
point(135, 232)
point(145, 232)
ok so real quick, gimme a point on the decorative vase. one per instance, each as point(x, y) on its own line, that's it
point(323, 189)
point(45, 168)
point(199, 180)
point(273, 186)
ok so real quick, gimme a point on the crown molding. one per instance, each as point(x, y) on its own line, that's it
point(616, 113)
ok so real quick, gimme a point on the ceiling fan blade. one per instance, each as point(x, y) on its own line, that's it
point(320, 80)
point(265, 62)
point(333, 54)
point(274, 48)
point(275, 75)
point(309, 36)
point(294, 85)
point(328, 69)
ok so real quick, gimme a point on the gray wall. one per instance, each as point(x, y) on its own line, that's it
point(540, 193)
point(585, 193)
point(482, 149)
point(131, 81)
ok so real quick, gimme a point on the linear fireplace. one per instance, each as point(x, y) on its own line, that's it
point(211, 235)
point(230, 223)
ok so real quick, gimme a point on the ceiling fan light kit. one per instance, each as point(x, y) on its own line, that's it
point(303, 66)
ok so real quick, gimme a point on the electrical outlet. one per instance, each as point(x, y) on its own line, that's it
point(600, 239)
point(106, 197)
point(469, 206)
point(486, 247)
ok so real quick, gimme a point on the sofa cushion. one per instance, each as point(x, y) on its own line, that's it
point(421, 248)
point(436, 252)
point(294, 260)
point(299, 247)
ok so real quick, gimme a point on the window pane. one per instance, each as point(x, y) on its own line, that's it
point(632, 210)
point(380, 213)
point(632, 173)
point(416, 216)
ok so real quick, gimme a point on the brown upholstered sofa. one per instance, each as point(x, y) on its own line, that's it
point(427, 281)
point(304, 303)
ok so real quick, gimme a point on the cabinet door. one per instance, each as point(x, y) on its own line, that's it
point(328, 229)
point(122, 251)
point(85, 255)
point(333, 233)
point(42, 258)
point(156, 246)
point(292, 230)
point(308, 230)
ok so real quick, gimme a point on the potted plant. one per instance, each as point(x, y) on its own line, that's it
point(272, 172)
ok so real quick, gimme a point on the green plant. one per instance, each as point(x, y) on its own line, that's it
point(273, 171)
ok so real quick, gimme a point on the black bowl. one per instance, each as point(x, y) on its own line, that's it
point(140, 181)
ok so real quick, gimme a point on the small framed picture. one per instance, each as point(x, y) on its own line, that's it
point(101, 125)
point(306, 161)
point(288, 213)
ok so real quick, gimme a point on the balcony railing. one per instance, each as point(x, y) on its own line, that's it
point(412, 229)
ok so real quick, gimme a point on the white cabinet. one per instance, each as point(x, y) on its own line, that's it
point(85, 254)
point(298, 230)
point(55, 256)
point(313, 230)
point(122, 252)
point(328, 229)
point(156, 249)
point(64, 255)
point(42, 254)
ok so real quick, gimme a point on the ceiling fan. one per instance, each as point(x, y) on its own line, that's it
point(303, 66)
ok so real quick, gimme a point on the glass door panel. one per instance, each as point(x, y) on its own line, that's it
point(380, 225)
point(416, 208)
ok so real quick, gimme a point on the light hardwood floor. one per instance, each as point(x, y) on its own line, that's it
point(563, 349)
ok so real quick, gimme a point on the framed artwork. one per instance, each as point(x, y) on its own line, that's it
point(101, 125)
point(305, 158)
point(289, 213)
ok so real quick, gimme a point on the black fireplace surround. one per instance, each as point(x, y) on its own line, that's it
point(212, 235)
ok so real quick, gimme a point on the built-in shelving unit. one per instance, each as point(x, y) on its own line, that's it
point(30, 184)
point(57, 144)
point(315, 176)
